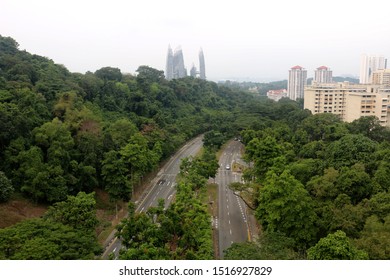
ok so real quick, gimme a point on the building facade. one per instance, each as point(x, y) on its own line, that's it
point(323, 75)
point(368, 65)
point(179, 70)
point(381, 77)
point(349, 101)
point(297, 80)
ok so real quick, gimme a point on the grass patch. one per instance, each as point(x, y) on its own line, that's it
point(211, 199)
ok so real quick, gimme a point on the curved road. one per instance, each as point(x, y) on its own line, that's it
point(232, 222)
point(163, 186)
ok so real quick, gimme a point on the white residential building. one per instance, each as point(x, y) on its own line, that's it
point(297, 80)
point(368, 65)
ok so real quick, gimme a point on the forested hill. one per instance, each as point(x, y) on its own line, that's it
point(64, 132)
point(320, 187)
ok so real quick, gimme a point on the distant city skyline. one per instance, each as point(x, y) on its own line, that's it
point(247, 40)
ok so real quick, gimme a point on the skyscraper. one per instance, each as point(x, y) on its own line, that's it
point(179, 71)
point(169, 65)
point(202, 67)
point(369, 64)
point(323, 75)
point(175, 68)
point(296, 82)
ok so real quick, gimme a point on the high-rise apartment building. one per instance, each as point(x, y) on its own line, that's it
point(202, 67)
point(323, 75)
point(381, 77)
point(349, 101)
point(368, 65)
point(297, 80)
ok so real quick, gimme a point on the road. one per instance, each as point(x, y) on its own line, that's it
point(232, 222)
point(162, 186)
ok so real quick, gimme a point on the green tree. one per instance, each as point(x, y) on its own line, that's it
point(116, 176)
point(109, 74)
point(269, 246)
point(6, 188)
point(286, 207)
point(79, 212)
point(119, 133)
point(263, 152)
point(350, 149)
point(39, 239)
point(370, 127)
point(375, 238)
point(335, 246)
point(354, 182)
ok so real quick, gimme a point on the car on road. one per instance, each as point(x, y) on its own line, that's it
point(227, 167)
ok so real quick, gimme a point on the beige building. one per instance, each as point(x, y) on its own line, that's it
point(349, 101)
point(381, 77)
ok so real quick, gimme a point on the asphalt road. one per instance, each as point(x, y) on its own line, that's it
point(232, 222)
point(162, 186)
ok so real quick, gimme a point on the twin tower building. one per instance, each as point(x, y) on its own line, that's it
point(175, 68)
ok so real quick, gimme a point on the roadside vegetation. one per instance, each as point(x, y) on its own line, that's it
point(79, 146)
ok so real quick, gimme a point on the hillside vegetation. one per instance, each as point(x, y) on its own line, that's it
point(319, 187)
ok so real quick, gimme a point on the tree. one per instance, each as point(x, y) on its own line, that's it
point(269, 246)
point(354, 182)
point(324, 187)
point(79, 212)
point(6, 188)
point(109, 74)
point(350, 149)
point(39, 239)
point(323, 127)
point(116, 176)
point(8, 45)
point(375, 238)
point(286, 207)
point(41, 181)
point(335, 246)
point(119, 133)
point(148, 77)
point(370, 127)
point(263, 152)
point(56, 142)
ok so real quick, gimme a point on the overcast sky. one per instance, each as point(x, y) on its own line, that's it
point(244, 39)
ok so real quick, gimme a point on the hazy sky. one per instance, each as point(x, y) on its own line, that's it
point(257, 40)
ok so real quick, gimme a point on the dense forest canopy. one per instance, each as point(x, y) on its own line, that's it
point(319, 187)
